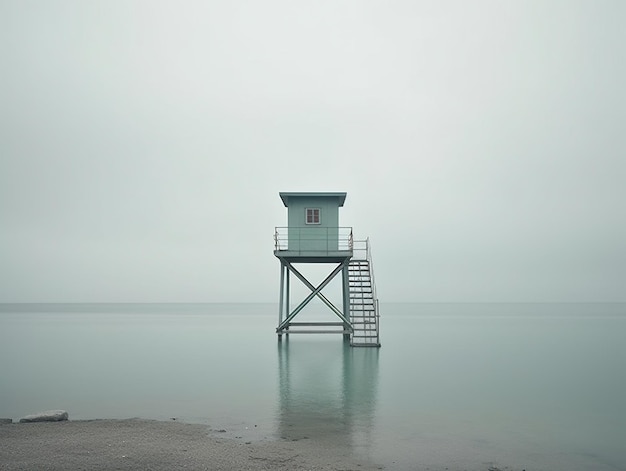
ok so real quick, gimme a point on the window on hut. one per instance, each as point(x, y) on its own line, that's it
point(312, 215)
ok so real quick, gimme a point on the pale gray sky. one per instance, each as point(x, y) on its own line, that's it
point(143, 145)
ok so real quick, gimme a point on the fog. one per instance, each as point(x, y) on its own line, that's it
point(143, 145)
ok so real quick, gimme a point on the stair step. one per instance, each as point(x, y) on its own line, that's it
point(363, 306)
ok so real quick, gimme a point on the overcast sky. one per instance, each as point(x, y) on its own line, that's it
point(143, 145)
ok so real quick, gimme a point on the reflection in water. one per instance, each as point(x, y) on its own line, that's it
point(327, 392)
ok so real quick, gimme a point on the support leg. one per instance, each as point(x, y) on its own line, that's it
point(283, 305)
point(282, 293)
point(287, 298)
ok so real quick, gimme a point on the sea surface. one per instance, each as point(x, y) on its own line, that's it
point(458, 386)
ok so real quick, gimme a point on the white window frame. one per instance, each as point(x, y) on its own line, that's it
point(313, 212)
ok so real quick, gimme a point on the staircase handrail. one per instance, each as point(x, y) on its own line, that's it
point(368, 247)
point(368, 257)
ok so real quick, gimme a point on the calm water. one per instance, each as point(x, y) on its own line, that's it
point(528, 386)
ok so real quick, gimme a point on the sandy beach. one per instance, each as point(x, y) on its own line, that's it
point(139, 444)
point(156, 445)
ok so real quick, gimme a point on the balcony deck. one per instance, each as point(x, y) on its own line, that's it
point(313, 256)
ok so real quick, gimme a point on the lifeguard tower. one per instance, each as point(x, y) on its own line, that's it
point(313, 235)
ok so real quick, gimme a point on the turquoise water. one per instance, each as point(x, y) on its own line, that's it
point(464, 386)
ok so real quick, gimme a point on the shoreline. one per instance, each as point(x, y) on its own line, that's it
point(163, 445)
point(130, 444)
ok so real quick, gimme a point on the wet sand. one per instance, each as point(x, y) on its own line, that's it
point(157, 445)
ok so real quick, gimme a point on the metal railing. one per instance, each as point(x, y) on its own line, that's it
point(313, 239)
point(363, 251)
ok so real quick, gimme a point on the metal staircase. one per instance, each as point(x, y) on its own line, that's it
point(363, 300)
